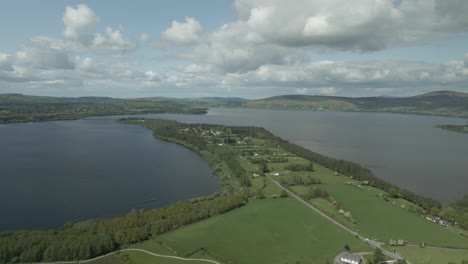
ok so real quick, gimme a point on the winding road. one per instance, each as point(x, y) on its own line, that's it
point(372, 243)
point(131, 249)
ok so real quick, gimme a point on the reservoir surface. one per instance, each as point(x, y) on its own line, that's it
point(406, 150)
point(55, 172)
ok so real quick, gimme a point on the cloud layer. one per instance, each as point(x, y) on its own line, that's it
point(265, 51)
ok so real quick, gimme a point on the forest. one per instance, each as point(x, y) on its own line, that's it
point(11, 112)
point(88, 239)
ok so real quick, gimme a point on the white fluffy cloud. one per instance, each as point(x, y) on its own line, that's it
point(356, 25)
point(183, 33)
point(80, 25)
point(113, 41)
point(43, 52)
point(361, 25)
point(363, 78)
point(5, 62)
point(79, 22)
point(266, 51)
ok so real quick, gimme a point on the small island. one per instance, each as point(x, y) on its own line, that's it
point(455, 128)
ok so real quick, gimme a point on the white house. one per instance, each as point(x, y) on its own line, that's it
point(348, 258)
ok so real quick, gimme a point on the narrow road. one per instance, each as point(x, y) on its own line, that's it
point(131, 249)
point(372, 243)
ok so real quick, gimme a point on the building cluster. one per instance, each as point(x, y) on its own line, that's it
point(437, 220)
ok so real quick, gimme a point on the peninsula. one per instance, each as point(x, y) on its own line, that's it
point(303, 204)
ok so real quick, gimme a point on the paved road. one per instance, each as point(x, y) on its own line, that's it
point(132, 249)
point(372, 243)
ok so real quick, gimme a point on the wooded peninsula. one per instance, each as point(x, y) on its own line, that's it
point(244, 158)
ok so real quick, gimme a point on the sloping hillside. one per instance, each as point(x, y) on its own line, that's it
point(446, 103)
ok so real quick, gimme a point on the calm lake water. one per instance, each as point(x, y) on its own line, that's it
point(405, 150)
point(56, 172)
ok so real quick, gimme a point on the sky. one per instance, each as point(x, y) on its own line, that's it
point(240, 48)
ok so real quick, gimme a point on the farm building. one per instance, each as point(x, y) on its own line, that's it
point(348, 258)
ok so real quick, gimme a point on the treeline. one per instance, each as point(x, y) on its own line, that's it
point(300, 167)
point(455, 212)
point(229, 157)
point(269, 160)
point(455, 128)
point(345, 167)
point(171, 130)
point(315, 192)
point(341, 166)
point(37, 112)
point(357, 172)
point(168, 129)
point(88, 239)
point(192, 139)
point(298, 180)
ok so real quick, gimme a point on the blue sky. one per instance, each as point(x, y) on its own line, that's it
point(245, 48)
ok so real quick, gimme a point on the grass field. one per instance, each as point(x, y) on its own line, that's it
point(265, 231)
point(387, 219)
point(141, 258)
point(419, 255)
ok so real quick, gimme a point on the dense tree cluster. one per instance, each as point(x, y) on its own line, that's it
point(455, 212)
point(300, 167)
point(316, 192)
point(229, 157)
point(298, 180)
point(254, 160)
point(87, 239)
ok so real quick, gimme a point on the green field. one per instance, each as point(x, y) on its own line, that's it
point(419, 255)
point(386, 220)
point(140, 258)
point(265, 231)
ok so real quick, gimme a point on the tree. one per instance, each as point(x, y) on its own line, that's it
point(378, 255)
point(393, 193)
point(347, 248)
point(283, 194)
point(260, 194)
point(310, 167)
point(265, 167)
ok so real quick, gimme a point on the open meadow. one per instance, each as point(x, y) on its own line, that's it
point(265, 231)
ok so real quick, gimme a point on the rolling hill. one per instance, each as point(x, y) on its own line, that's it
point(445, 103)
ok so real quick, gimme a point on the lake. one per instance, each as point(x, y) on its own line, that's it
point(406, 150)
point(55, 172)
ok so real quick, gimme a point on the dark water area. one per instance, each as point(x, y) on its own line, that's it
point(406, 150)
point(55, 172)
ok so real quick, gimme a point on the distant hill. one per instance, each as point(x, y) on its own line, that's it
point(447, 103)
point(444, 103)
point(13, 99)
point(199, 99)
point(16, 108)
point(443, 93)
